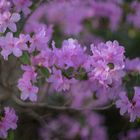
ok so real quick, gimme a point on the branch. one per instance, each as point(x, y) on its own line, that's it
point(60, 108)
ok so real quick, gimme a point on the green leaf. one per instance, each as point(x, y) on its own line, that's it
point(10, 135)
point(25, 59)
point(45, 71)
point(68, 72)
point(81, 74)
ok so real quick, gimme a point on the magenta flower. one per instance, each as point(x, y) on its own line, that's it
point(59, 82)
point(131, 107)
point(123, 103)
point(7, 122)
point(107, 62)
point(23, 5)
point(133, 65)
point(25, 84)
point(40, 39)
point(45, 58)
point(134, 17)
point(10, 45)
point(70, 55)
point(4, 6)
point(8, 20)
point(61, 12)
point(22, 41)
point(28, 90)
point(134, 109)
point(109, 10)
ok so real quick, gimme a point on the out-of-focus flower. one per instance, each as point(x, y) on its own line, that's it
point(7, 121)
point(132, 65)
point(89, 128)
point(133, 134)
point(134, 17)
point(109, 10)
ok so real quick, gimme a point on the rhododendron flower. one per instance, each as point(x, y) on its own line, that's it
point(123, 103)
point(59, 82)
point(40, 39)
point(132, 107)
point(8, 20)
point(106, 63)
point(44, 58)
point(23, 5)
point(28, 90)
point(4, 6)
point(7, 121)
point(70, 55)
point(132, 65)
point(10, 45)
point(22, 41)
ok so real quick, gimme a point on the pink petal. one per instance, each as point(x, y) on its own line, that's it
point(12, 27)
point(15, 17)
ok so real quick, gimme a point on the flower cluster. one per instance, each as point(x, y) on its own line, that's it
point(91, 75)
point(106, 63)
point(70, 63)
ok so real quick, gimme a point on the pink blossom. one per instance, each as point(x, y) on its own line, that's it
point(131, 107)
point(132, 65)
point(9, 46)
point(44, 58)
point(23, 5)
point(70, 55)
point(12, 45)
point(40, 39)
point(134, 109)
point(7, 122)
point(106, 63)
point(59, 82)
point(28, 90)
point(8, 20)
point(123, 103)
point(4, 6)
